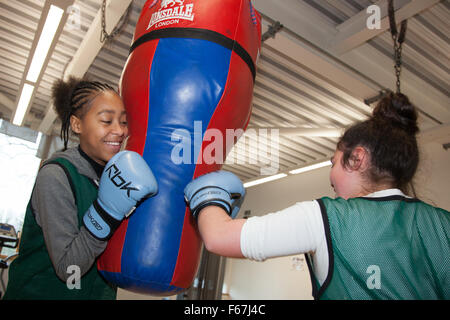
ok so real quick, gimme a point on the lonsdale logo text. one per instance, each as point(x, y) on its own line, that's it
point(172, 11)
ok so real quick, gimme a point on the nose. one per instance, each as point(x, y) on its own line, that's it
point(119, 129)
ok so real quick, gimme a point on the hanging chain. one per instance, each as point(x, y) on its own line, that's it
point(398, 39)
point(105, 36)
point(398, 61)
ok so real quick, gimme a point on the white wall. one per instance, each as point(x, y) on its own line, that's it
point(276, 278)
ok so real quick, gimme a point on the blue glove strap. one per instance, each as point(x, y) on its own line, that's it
point(236, 207)
point(99, 223)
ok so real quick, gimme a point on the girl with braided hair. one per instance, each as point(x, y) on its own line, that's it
point(57, 254)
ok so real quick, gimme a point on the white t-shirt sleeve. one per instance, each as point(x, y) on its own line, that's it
point(294, 230)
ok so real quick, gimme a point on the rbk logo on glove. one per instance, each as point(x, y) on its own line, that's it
point(114, 175)
point(128, 171)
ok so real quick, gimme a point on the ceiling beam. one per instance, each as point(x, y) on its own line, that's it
point(354, 32)
point(380, 67)
point(347, 79)
point(88, 50)
point(363, 71)
point(296, 15)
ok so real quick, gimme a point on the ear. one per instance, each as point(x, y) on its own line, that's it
point(359, 159)
point(75, 124)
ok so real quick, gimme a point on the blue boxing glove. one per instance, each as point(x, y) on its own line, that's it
point(219, 188)
point(126, 181)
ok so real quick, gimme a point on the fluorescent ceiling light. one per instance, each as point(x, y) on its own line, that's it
point(48, 33)
point(264, 180)
point(25, 97)
point(311, 167)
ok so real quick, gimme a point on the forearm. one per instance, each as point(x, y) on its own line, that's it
point(69, 246)
point(220, 234)
point(81, 251)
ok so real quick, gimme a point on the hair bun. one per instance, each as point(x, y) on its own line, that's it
point(61, 94)
point(397, 110)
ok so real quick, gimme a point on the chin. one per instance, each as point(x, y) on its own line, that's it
point(107, 158)
point(108, 154)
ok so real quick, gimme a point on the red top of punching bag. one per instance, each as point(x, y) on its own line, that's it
point(216, 16)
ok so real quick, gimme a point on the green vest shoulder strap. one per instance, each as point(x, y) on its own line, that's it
point(32, 275)
point(385, 248)
point(83, 188)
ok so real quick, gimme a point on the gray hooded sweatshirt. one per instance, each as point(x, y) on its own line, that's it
point(55, 212)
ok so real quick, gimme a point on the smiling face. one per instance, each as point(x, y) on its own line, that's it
point(103, 128)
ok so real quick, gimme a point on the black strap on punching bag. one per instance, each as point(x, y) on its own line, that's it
point(196, 33)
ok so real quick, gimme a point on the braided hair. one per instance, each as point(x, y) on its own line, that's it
point(73, 97)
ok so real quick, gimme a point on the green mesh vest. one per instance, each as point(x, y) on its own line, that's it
point(32, 276)
point(385, 248)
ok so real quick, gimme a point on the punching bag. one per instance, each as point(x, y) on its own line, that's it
point(188, 80)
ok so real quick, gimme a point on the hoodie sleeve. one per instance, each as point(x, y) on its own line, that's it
point(55, 212)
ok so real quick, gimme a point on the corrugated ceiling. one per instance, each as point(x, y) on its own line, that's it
point(288, 93)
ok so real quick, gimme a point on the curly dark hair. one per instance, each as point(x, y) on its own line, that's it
point(73, 97)
point(389, 136)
